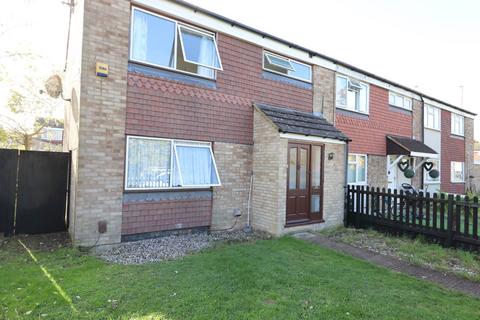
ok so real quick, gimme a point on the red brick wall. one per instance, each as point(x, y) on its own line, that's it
point(453, 149)
point(162, 108)
point(368, 135)
point(165, 215)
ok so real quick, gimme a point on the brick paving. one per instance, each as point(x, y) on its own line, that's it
point(445, 280)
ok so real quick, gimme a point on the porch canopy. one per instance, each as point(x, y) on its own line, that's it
point(301, 123)
point(409, 147)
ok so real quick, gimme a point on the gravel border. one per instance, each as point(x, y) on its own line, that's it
point(173, 247)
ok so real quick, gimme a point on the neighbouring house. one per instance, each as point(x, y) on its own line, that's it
point(390, 124)
point(184, 119)
point(50, 139)
point(475, 184)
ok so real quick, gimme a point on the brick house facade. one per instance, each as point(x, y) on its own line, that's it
point(165, 109)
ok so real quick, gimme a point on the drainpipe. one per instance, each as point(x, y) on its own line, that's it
point(345, 186)
point(423, 136)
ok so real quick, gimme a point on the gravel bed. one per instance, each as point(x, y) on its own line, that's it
point(172, 247)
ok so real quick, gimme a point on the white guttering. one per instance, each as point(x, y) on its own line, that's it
point(447, 108)
point(202, 19)
point(301, 137)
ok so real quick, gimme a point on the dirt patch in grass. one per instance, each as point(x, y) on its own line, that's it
point(416, 251)
point(40, 242)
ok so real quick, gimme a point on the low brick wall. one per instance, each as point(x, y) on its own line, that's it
point(155, 216)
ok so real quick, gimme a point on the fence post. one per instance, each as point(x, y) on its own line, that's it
point(450, 217)
point(357, 206)
point(347, 206)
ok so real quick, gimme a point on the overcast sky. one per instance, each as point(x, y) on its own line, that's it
point(430, 45)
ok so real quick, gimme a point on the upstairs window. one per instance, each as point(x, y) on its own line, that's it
point(288, 67)
point(154, 163)
point(432, 117)
point(163, 42)
point(457, 125)
point(351, 94)
point(400, 101)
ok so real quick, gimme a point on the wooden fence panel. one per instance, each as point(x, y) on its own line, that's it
point(453, 220)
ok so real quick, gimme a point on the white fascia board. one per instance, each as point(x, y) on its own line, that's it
point(447, 108)
point(381, 84)
point(204, 20)
point(201, 19)
point(293, 136)
point(424, 155)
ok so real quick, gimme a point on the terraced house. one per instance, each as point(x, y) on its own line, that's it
point(183, 119)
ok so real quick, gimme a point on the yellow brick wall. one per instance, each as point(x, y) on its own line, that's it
point(99, 159)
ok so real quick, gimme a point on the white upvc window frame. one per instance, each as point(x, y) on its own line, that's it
point(45, 135)
point(345, 107)
point(429, 108)
point(356, 162)
point(175, 45)
point(405, 99)
point(452, 175)
point(211, 35)
point(269, 57)
point(427, 178)
point(192, 144)
point(266, 53)
point(173, 157)
point(461, 120)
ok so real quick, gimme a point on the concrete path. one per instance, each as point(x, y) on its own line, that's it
point(445, 280)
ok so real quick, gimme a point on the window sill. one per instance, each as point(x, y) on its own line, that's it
point(400, 110)
point(167, 190)
point(457, 136)
point(439, 130)
point(350, 110)
point(172, 195)
point(273, 76)
point(357, 183)
point(171, 74)
point(458, 182)
point(352, 113)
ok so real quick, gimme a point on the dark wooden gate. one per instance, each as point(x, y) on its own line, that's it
point(8, 184)
point(35, 198)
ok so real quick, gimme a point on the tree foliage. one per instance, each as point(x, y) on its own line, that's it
point(28, 112)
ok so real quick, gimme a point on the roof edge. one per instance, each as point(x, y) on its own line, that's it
point(315, 53)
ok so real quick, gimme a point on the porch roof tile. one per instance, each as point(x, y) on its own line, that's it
point(407, 146)
point(298, 122)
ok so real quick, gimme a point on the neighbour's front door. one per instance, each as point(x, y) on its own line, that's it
point(298, 182)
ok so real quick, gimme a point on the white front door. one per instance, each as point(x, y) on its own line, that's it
point(391, 172)
point(396, 176)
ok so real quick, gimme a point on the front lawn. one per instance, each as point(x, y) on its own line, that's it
point(269, 279)
point(416, 251)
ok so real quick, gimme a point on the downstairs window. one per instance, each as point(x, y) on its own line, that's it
point(457, 171)
point(357, 169)
point(154, 163)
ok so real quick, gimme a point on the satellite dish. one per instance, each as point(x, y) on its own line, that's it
point(53, 86)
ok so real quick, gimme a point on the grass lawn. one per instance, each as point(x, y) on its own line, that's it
point(416, 251)
point(270, 279)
